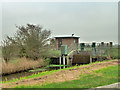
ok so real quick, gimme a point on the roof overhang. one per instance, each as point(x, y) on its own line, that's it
point(66, 36)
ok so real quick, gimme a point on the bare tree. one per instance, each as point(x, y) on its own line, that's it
point(53, 43)
point(6, 50)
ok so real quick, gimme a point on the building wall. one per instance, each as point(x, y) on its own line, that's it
point(67, 41)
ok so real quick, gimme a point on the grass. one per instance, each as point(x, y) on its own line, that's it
point(114, 52)
point(53, 53)
point(53, 65)
point(38, 74)
point(45, 68)
point(103, 76)
point(40, 69)
point(20, 64)
point(48, 72)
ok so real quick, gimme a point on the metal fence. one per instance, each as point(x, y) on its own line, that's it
point(101, 50)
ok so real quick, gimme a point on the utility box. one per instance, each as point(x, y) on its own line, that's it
point(93, 45)
point(82, 45)
point(63, 49)
point(111, 44)
point(102, 43)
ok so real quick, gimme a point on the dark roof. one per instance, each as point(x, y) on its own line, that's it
point(66, 36)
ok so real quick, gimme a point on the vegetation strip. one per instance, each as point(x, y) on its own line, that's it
point(53, 65)
point(103, 76)
point(50, 72)
point(36, 77)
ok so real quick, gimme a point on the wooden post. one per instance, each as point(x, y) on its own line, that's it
point(68, 61)
point(63, 59)
point(90, 59)
point(60, 60)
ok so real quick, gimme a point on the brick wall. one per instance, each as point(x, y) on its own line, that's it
point(67, 41)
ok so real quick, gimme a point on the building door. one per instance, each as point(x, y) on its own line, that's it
point(59, 43)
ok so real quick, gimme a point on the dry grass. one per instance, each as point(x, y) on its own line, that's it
point(20, 65)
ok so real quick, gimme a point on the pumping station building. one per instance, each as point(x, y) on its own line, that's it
point(73, 52)
point(69, 40)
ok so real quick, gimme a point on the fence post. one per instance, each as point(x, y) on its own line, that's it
point(60, 60)
point(90, 59)
point(63, 59)
point(68, 61)
point(93, 49)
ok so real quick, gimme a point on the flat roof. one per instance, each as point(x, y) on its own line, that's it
point(66, 36)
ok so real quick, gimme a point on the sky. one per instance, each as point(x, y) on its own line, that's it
point(92, 21)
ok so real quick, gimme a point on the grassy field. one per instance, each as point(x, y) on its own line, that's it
point(100, 77)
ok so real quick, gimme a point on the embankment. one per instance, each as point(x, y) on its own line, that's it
point(66, 74)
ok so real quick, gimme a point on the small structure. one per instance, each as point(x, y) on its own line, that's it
point(69, 40)
point(63, 53)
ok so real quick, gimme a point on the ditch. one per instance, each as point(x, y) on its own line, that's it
point(30, 72)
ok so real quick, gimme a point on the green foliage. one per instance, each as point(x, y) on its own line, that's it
point(53, 53)
point(41, 69)
point(14, 61)
point(45, 68)
point(53, 65)
point(47, 61)
point(107, 76)
point(30, 41)
point(114, 53)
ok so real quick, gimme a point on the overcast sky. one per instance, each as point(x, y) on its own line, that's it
point(92, 21)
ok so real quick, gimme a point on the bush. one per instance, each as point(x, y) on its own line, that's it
point(47, 61)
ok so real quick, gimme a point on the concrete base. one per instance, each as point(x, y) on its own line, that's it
point(114, 86)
